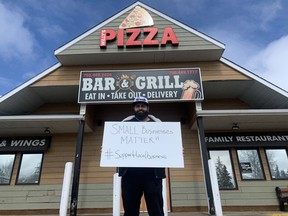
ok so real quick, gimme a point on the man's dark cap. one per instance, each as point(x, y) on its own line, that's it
point(141, 100)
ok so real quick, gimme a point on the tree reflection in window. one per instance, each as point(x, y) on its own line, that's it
point(250, 165)
point(278, 163)
point(30, 168)
point(224, 171)
point(6, 167)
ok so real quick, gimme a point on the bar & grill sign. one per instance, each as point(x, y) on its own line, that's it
point(156, 85)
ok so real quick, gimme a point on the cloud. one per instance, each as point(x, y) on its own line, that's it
point(16, 41)
point(271, 62)
point(50, 31)
point(266, 12)
point(238, 48)
point(256, 41)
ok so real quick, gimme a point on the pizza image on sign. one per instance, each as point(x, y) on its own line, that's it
point(139, 17)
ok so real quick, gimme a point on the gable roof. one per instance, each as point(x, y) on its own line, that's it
point(193, 45)
point(257, 92)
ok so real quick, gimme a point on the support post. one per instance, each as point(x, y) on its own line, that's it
point(77, 166)
point(116, 194)
point(65, 189)
point(205, 158)
point(215, 188)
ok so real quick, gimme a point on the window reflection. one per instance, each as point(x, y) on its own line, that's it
point(224, 171)
point(30, 169)
point(6, 167)
point(278, 163)
point(250, 165)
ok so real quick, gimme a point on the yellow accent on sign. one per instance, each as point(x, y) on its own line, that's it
point(139, 17)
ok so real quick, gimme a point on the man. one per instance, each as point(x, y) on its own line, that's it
point(136, 181)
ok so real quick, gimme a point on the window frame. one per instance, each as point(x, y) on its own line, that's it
point(20, 164)
point(260, 160)
point(232, 167)
point(13, 165)
point(268, 164)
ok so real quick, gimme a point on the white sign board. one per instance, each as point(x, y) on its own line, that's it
point(142, 144)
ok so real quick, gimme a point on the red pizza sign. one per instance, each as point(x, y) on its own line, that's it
point(132, 34)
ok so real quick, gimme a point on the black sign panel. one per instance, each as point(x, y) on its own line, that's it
point(24, 144)
point(246, 167)
point(156, 85)
point(246, 139)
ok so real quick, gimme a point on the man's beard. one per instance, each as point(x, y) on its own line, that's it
point(141, 115)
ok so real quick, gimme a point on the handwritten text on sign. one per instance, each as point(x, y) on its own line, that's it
point(142, 144)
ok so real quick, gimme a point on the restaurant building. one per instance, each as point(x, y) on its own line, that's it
point(226, 113)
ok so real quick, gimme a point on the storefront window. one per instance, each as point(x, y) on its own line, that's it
point(278, 163)
point(250, 165)
point(224, 170)
point(6, 167)
point(30, 169)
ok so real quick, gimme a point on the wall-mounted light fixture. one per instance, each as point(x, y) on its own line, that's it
point(47, 131)
point(235, 126)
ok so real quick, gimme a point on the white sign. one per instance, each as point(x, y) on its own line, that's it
point(142, 144)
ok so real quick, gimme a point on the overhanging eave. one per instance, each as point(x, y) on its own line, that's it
point(36, 124)
point(143, 57)
point(247, 120)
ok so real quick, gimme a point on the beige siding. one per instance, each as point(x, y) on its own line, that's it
point(95, 196)
point(49, 196)
point(210, 71)
point(96, 182)
point(193, 167)
point(188, 194)
point(187, 40)
point(251, 193)
point(61, 151)
point(30, 197)
point(187, 185)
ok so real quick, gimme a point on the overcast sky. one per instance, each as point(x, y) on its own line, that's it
point(255, 32)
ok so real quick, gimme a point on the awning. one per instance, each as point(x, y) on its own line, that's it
point(37, 124)
point(250, 119)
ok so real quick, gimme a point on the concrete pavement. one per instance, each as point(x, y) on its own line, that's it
point(245, 213)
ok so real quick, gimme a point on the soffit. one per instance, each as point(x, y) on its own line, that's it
point(27, 100)
point(37, 124)
point(256, 92)
point(247, 122)
point(251, 92)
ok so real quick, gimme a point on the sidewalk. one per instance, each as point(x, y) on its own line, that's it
point(245, 213)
